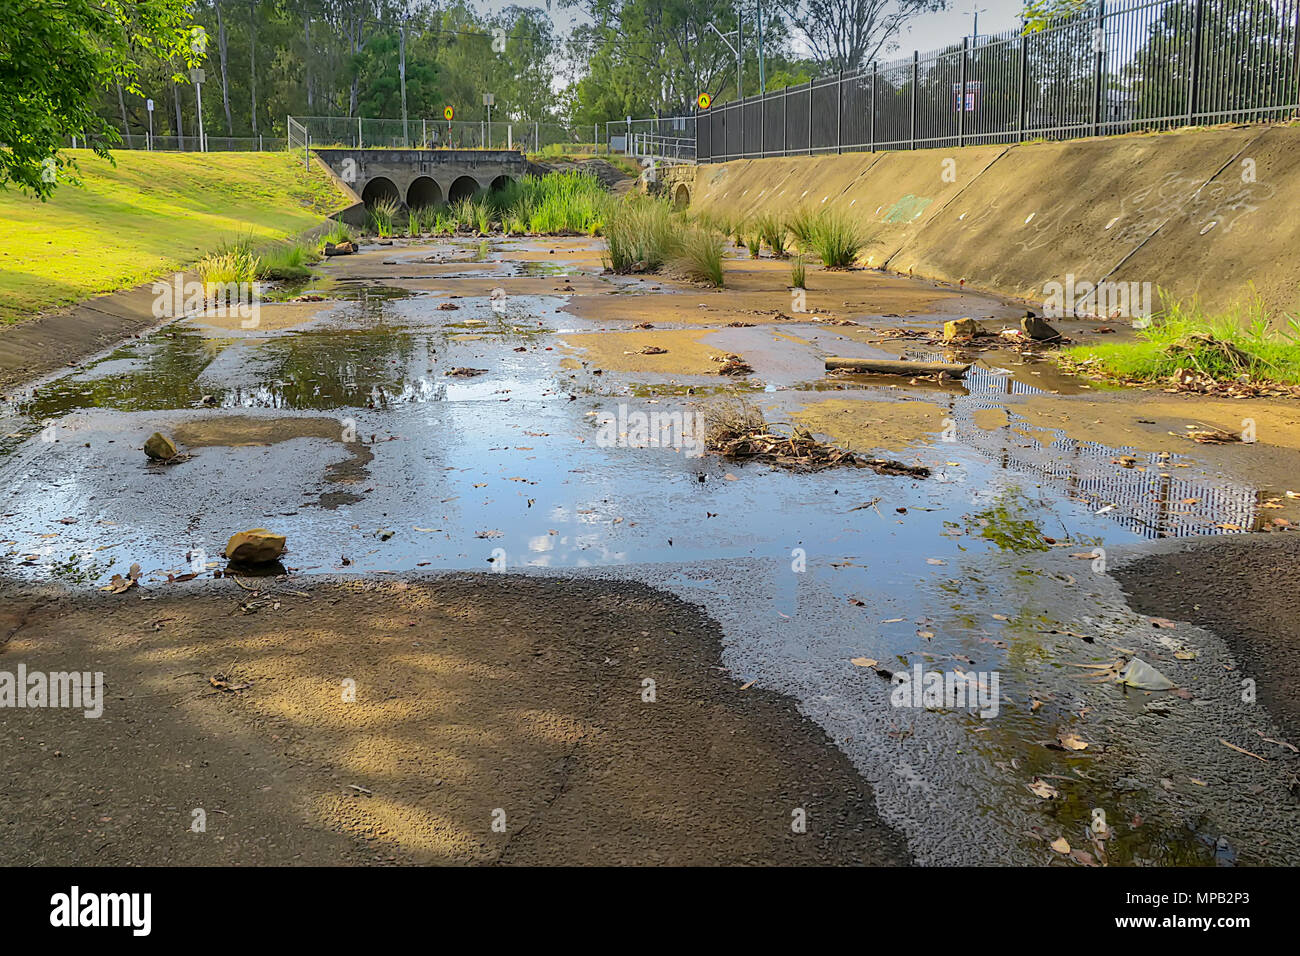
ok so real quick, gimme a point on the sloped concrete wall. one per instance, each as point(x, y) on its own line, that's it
point(1206, 213)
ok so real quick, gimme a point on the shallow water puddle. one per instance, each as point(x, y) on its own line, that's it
point(348, 434)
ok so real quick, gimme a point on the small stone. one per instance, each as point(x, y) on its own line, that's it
point(159, 447)
point(960, 329)
point(256, 546)
point(1037, 329)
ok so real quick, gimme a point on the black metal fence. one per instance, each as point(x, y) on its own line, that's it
point(1125, 65)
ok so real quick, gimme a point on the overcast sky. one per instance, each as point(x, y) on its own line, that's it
point(924, 33)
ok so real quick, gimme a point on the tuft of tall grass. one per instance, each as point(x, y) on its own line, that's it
point(754, 243)
point(699, 255)
point(772, 231)
point(800, 225)
point(483, 218)
point(218, 271)
point(337, 232)
point(290, 260)
point(413, 224)
point(381, 216)
point(462, 212)
point(428, 218)
point(568, 203)
point(641, 234)
point(797, 273)
point(1240, 344)
point(836, 239)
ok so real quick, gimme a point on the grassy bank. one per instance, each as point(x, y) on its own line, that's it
point(153, 213)
point(1241, 346)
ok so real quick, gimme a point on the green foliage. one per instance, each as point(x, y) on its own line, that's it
point(413, 223)
point(836, 238)
point(337, 232)
point(797, 270)
point(1242, 343)
point(381, 216)
point(754, 243)
point(567, 203)
point(699, 255)
point(772, 231)
point(463, 212)
point(641, 235)
point(800, 225)
point(223, 268)
point(291, 260)
point(56, 59)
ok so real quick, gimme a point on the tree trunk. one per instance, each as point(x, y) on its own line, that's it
point(121, 105)
point(252, 59)
point(225, 83)
point(176, 98)
point(306, 59)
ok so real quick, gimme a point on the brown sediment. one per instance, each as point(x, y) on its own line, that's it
point(866, 425)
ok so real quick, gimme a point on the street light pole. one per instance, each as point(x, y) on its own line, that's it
point(723, 38)
point(197, 76)
point(401, 70)
point(762, 80)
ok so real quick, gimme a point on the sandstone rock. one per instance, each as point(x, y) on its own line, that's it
point(256, 546)
point(159, 447)
point(1037, 329)
point(958, 329)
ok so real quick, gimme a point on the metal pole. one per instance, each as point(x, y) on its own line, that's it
point(916, 62)
point(762, 79)
point(401, 72)
point(740, 70)
point(1194, 80)
point(839, 113)
point(424, 132)
point(358, 132)
point(961, 93)
point(874, 68)
point(810, 111)
point(1020, 101)
point(198, 99)
point(1097, 65)
point(785, 121)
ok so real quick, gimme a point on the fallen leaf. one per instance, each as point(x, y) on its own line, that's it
point(1061, 846)
point(864, 662)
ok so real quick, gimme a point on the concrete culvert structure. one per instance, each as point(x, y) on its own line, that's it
point(681, 196)
point(500, 183)
point(423, 192)
point(463, 188)
point(380, 189)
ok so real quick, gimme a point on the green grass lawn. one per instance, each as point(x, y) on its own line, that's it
point(151, 214)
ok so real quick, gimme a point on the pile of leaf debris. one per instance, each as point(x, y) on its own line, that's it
point(737, 430)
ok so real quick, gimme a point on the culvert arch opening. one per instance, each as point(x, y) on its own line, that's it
point(380, 189)
point(466, 187)
point(423, 192)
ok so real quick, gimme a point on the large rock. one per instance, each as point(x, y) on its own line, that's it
point(257, 546)
point(1037, 329)
point(959, 330)
point(159, 447)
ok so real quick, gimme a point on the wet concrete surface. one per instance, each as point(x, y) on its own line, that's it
point(337, 424)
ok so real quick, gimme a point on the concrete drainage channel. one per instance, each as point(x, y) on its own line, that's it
point(339, 424)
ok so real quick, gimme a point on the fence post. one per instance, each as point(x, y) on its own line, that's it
point(916, 69)
point(810, 86)
point(762, 126)
point(1099, 42)
point(1194, 79)
point(1020, 99)
point(359, 132)
point(785, 121)
point(874, 68)
point(961, 93)
point(839, 113)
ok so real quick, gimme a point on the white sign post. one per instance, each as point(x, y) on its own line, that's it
point(488, 100)
point(148, 105)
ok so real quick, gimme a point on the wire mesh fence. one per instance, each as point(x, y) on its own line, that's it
point(1122, 66)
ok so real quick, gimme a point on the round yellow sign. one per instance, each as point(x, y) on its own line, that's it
point(704, 101)
point(448, 113)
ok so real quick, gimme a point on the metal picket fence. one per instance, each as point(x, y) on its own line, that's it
point(1123, 66)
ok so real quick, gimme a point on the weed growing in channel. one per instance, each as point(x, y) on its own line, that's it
point(1242, 345)
point(381, 215)
point(772, 231)
point(836, 239)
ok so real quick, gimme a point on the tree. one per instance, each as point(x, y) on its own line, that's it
point(849, 34)
point(57, 63)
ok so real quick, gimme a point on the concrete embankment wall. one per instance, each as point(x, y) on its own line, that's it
point(1203, 213)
